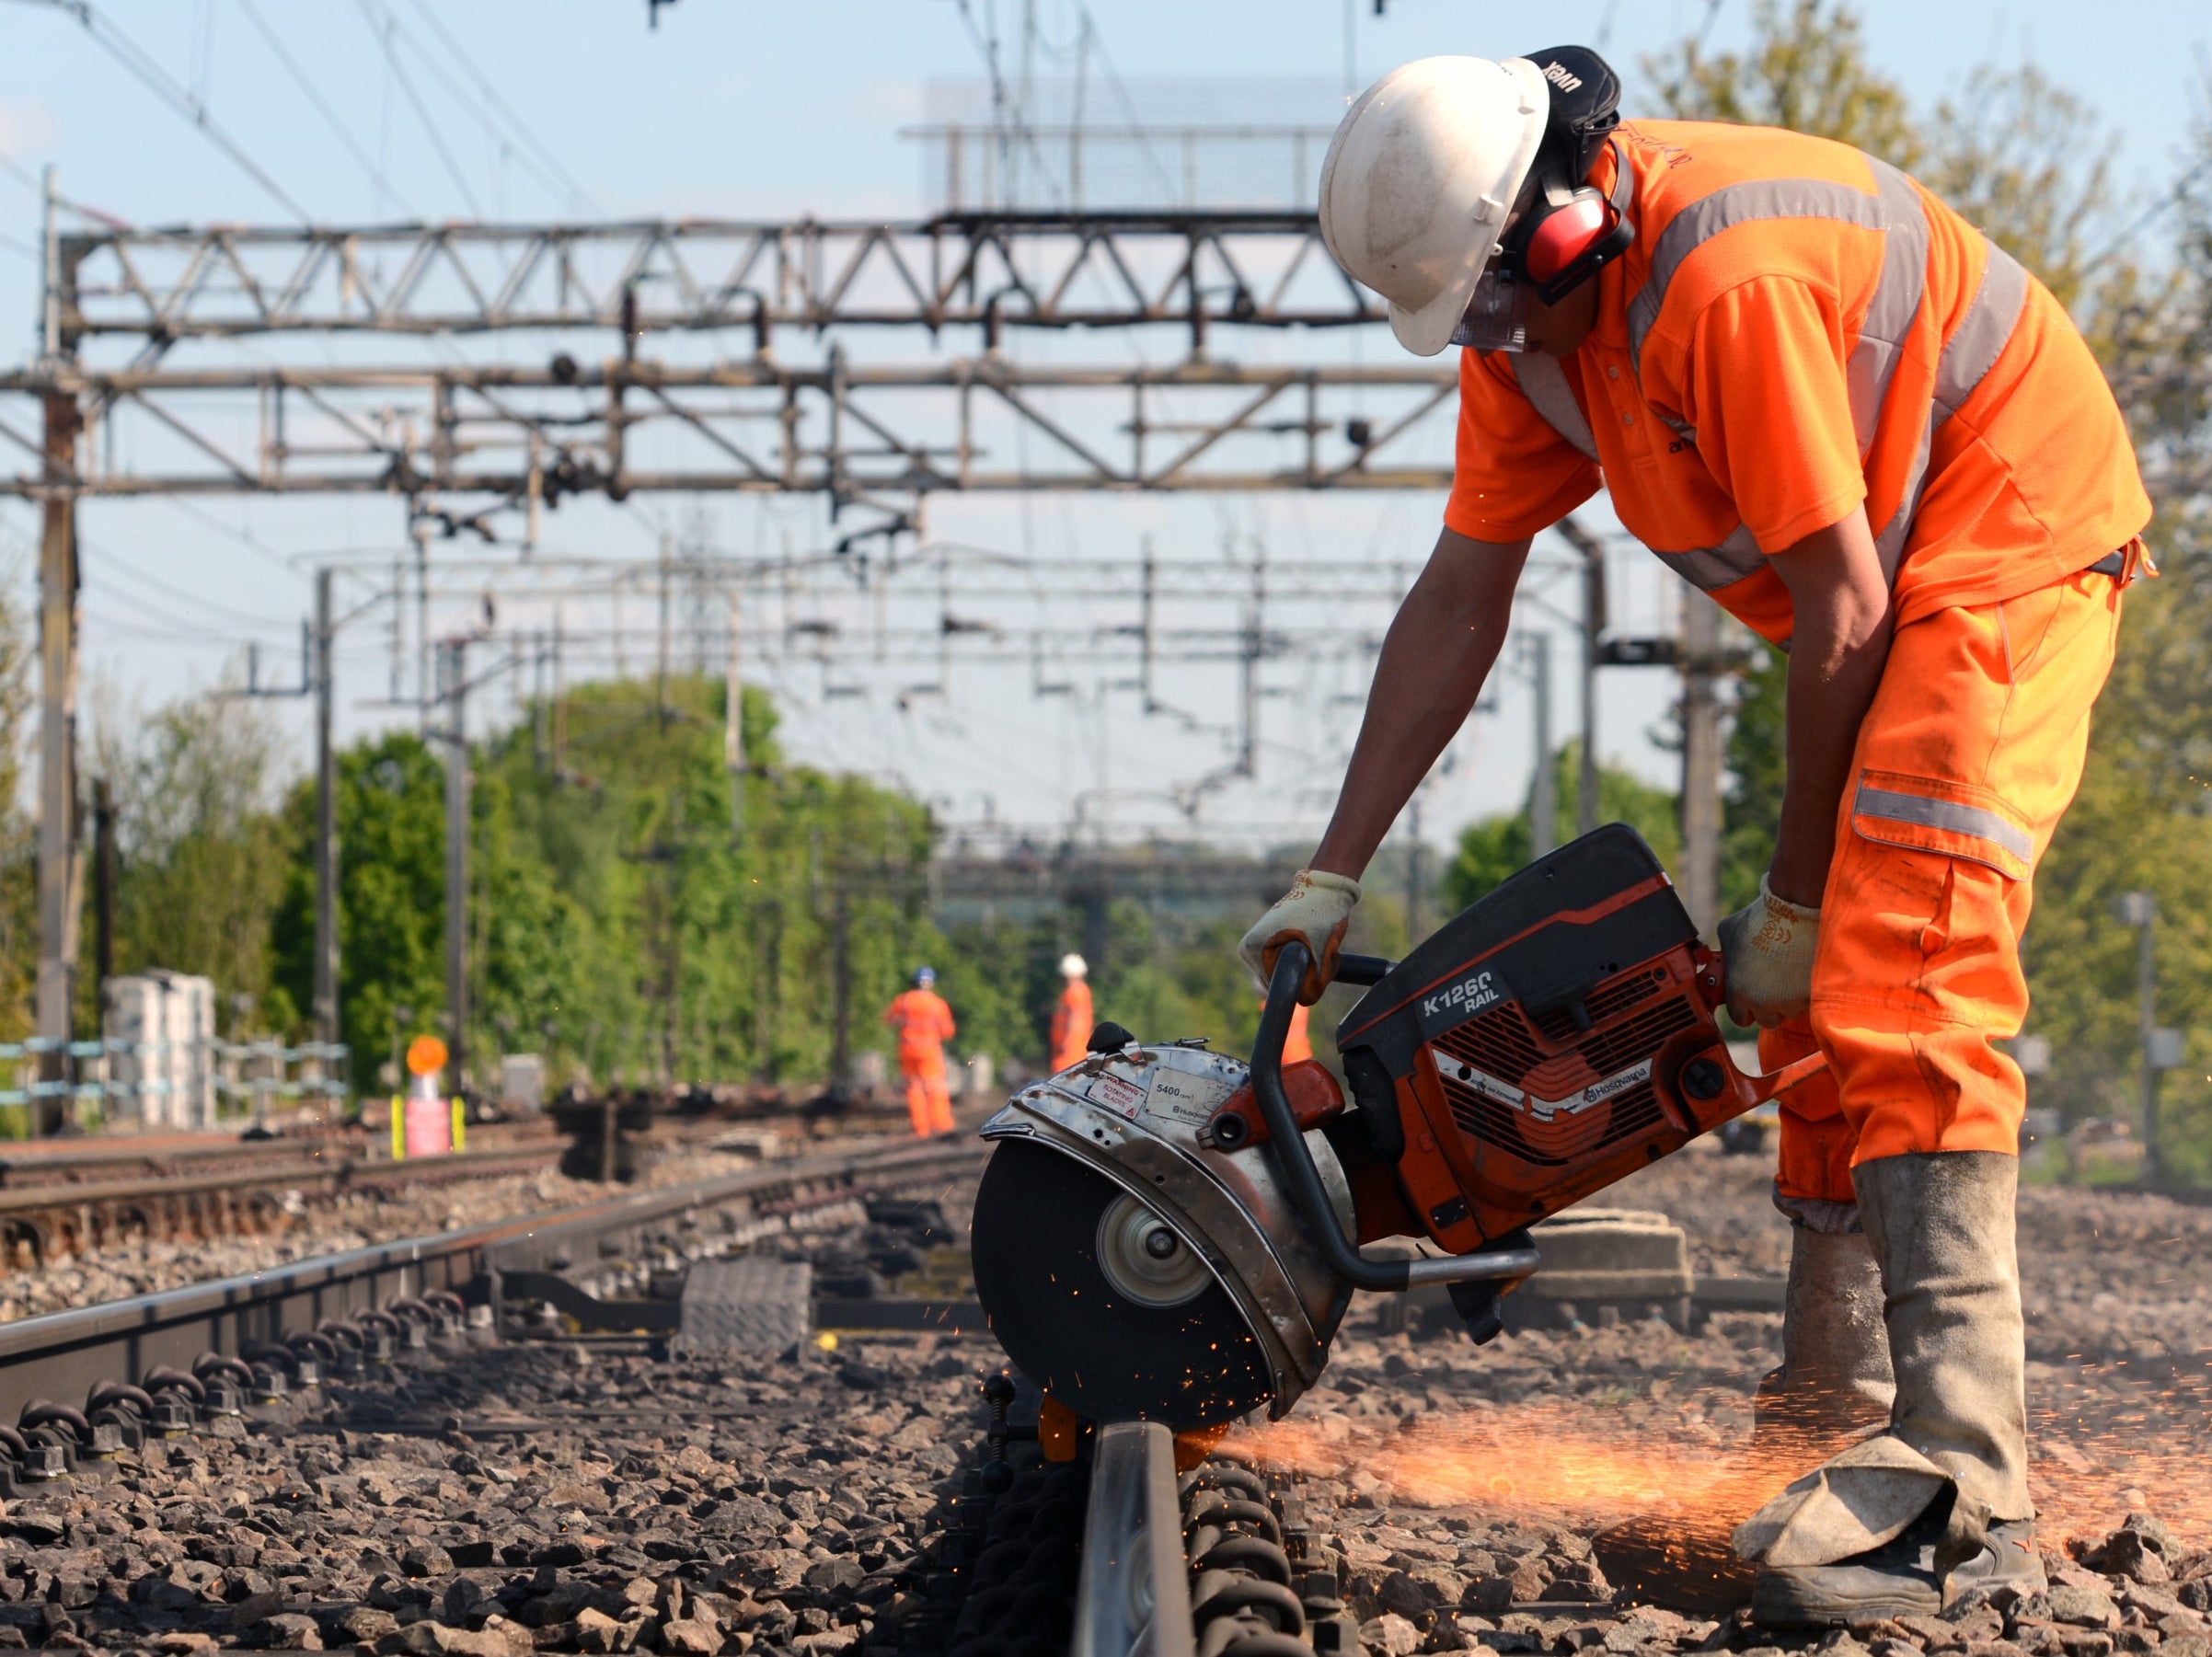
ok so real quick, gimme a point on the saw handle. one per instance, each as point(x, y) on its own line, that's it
point(1712, 988)
point(1294, 1161)
point(1362, 969)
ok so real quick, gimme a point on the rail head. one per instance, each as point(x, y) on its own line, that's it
point(1133, 1594)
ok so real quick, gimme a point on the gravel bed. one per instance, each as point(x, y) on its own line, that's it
point(573, 1498)
point(1468, 1481)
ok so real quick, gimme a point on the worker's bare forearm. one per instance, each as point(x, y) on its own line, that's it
point(1839, 644)
point(1440, 648)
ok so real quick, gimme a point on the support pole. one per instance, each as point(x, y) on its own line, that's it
point(326, 814)
point(1543, 792)
point(1594, 628)
point(103, 882)
point(661, 642)
point(733, 721)
point(1700, 761)
point(841, 994)
point(58, 871)
point(452, 659)
point(418, 526)
point(2147, 996)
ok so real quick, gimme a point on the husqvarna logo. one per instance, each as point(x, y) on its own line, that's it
point(1469, 995)
point(1561, 79)
point(1597, 1092)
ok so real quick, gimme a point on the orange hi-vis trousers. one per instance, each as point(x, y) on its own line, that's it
point(929, 1099)
point(1970, 753)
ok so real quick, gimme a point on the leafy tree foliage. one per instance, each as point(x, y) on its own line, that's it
point(1495, 847)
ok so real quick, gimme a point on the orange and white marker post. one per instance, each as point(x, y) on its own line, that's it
point(429, 1121)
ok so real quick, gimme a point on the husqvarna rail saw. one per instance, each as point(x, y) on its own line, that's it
point(1168, 1233)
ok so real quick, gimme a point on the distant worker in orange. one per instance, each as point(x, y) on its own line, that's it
point(1296, 1043)
point(1071, 1014)
point(925, 1025)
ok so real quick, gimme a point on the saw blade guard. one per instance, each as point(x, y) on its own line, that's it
point(1174, 1213)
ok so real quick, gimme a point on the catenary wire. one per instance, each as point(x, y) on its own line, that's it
point(579, 195)
point(322, 105)
point(391, 56)
point(158, 80)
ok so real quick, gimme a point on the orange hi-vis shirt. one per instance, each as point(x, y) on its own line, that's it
point(1072, 1022)
point(1797, 329)
point(924, 1023)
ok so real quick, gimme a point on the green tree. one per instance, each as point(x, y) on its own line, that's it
point(18, 865)
point(1807, 68)
point(199, 848)
point(1495, 847)
point(391, 898)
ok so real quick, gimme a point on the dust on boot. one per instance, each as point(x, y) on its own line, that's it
point(1937, 1506)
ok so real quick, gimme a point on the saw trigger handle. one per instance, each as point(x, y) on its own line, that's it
point(1363, 970)
point(1781, 1084)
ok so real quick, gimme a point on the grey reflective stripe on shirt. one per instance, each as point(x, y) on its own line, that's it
point(1983, 333)
point(1896, 301)
point(1708, 568)
point(1732, 205)
point(1544, 382)
point(1967, 357)
point(1895, 209)
point(1948, 814)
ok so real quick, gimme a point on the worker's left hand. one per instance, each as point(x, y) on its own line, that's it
point(1766, 948)
point(1314, 911)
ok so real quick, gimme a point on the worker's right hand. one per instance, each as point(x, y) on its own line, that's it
point(1314, 911)
point(1767, 949)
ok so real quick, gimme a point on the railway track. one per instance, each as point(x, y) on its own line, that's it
point(281, 1330)
point(429, 1447)
point(62, 1198)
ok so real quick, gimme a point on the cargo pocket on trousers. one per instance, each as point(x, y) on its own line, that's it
point(1953, 819)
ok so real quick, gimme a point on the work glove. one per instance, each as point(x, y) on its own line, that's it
point(1767, 948)
point(1316, 909)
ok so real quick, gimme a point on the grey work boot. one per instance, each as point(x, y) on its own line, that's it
point(1911, 1519)
point(1834, 1385)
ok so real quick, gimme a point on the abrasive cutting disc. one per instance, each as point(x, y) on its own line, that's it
point(1098, 1302)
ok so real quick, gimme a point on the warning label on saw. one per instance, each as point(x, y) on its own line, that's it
point(1117, 1094)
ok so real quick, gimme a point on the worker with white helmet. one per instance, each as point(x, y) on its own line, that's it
point(1824, 398)
point(1072, 1018)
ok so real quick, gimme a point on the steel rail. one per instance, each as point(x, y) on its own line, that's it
point(62, 1354)
point(327, 1173)
point(1134, 1593)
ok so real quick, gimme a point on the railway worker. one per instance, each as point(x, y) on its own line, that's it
point(1825, 399)
point(1072, 1020)
point(925, 1025)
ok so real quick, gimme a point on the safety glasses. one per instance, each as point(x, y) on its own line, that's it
point(1496, 317)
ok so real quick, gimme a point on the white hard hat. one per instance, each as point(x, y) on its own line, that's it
point(1073, 966)
point(1419, 180)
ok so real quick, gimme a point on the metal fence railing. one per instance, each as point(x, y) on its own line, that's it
point(181, 1084)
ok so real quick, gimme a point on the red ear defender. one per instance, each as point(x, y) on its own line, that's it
point(1567, 238)
point(1565, 235)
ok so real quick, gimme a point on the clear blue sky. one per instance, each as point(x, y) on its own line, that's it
point(731, 108)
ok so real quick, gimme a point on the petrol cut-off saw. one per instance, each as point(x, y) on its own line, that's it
point(1169, 1233)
